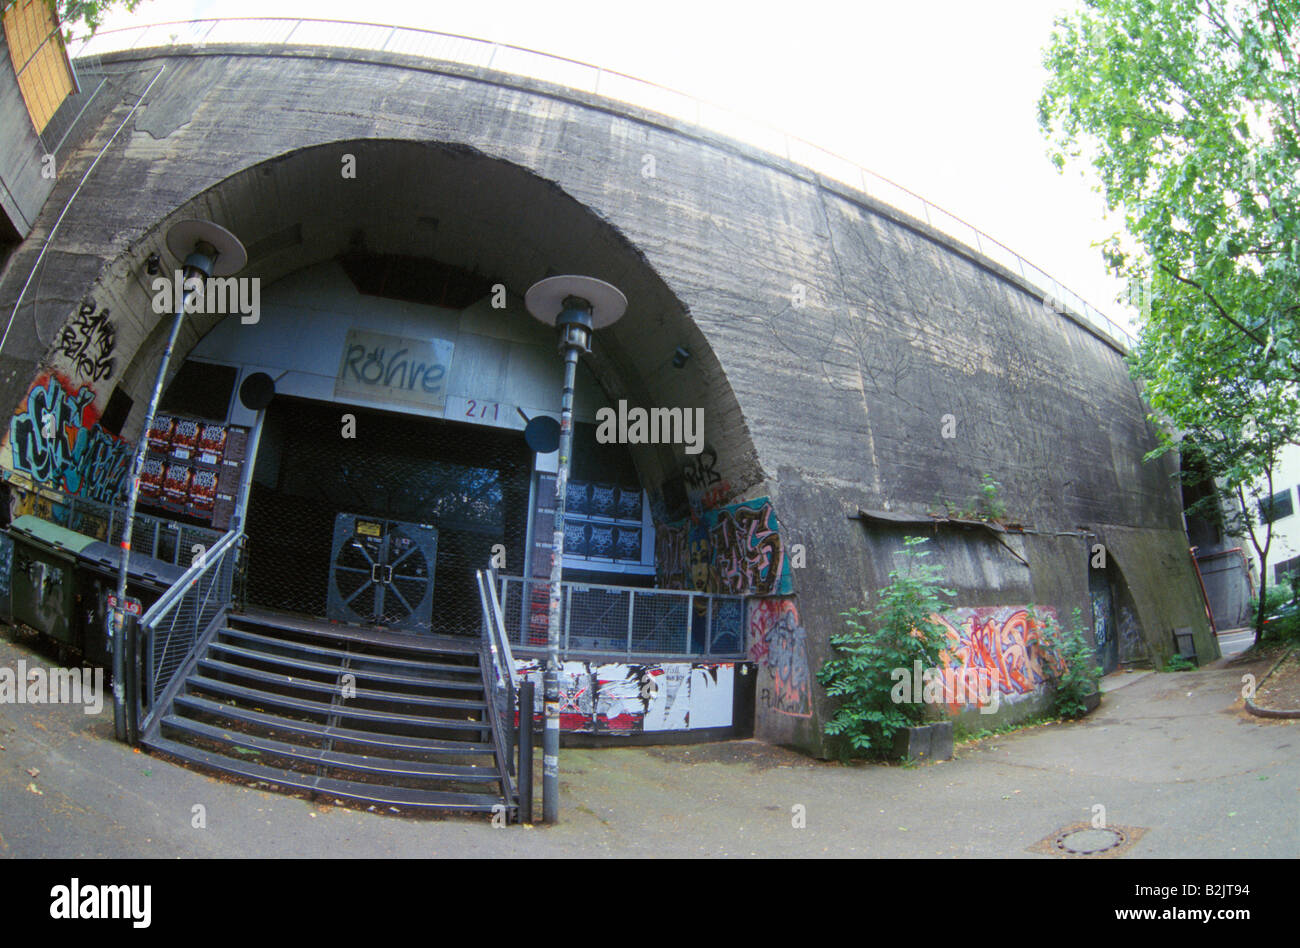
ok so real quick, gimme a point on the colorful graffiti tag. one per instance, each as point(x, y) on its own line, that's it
point(993, 648)
point(737, 550)
point(619, 698)
point(778, 643)
point(748, 550)
point(55, 439)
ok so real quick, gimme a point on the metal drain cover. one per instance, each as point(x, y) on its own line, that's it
point(1085, 841)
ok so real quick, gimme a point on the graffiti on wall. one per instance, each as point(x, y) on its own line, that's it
point(619, 698)
point(705, 487)
point(1131, 644)
point(746, 545)
point(55, 439)
point(672, 556)
point(736, 550)
point(778, 644)
point(87, 342)
point(993, 648)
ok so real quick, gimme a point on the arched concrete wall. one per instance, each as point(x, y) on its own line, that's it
point(850, 357)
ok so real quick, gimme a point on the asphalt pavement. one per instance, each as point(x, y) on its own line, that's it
point(1172, 759)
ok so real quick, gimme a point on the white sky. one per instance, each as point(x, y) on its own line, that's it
point(938, 95)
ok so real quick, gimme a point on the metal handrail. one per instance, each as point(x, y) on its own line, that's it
point(620, 86)
point(205, 561)
point(494, 632)
point(154, 676)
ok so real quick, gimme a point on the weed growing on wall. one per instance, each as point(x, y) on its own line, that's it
point(993, 508)
point(897, 633)
point(1071, 664)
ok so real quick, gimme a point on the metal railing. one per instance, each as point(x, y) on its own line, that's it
point(175, 626)
point(610, 84)
point(496, 639)
point(624, 621)
point(503, 702)
point(167, 540)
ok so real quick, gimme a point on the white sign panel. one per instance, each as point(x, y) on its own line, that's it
point(384, 368)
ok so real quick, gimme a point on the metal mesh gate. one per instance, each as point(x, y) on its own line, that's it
point(467, 483)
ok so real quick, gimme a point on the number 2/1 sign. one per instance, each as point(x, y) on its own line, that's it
point(489, 411)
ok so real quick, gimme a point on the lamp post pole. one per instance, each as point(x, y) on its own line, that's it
point(551, 680)
point(584, 304)
point(210, 243)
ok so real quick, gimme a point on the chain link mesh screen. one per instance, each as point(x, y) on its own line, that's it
point(356, 529)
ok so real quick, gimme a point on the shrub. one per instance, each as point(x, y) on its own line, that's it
point(1278, 601)
point(897, 633)
point(1071, 663)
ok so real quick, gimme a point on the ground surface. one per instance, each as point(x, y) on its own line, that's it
point(1281, 692)
point(1174, 755)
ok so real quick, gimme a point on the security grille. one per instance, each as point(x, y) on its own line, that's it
point(467, 484)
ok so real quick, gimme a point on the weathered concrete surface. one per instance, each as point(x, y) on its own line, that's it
point(827, 407)
point(1175, 755)
point(22, 188)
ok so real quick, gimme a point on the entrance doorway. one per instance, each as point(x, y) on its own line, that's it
point(385, 526)
point(1101, 590)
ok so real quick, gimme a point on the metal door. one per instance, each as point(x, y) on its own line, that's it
point(381, 572)
point(1104, 629)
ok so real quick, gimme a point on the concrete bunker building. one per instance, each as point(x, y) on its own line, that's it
point(860, 371)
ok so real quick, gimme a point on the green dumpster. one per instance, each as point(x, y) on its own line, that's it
point(43, 587)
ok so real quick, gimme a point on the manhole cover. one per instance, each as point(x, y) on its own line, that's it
point(1090, 841)
point(1085, 841)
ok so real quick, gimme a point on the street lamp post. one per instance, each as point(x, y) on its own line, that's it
point(207, 250)
point(576, 306)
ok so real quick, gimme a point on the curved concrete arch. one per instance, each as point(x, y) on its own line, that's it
point(488, 216)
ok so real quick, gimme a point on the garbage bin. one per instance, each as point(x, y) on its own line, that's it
point(43, 587)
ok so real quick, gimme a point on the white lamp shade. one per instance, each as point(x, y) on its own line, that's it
point(545, 299)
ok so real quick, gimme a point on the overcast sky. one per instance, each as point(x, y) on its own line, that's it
point(937, 95)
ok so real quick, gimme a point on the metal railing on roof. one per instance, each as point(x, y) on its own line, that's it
point(610, 84)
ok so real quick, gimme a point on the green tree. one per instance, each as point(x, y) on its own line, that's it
point(82, 17)
point(88, 14)
point(1187, 111)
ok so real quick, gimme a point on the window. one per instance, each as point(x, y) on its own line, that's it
point(1276, 507)
point(1283, 571)
point(39, 61)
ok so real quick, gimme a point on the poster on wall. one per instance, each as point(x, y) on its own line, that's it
point(194, 467)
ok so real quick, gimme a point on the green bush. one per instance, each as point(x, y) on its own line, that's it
point(1179, 663)
point(1276, 598)
point(894, 635)
point(1071, 664)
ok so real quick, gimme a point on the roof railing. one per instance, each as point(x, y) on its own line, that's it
point(610, 84)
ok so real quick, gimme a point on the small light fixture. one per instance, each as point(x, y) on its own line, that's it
point(153, 264)
point(680, 357)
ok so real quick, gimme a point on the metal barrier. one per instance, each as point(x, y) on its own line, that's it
point(624, 621)
point(470, 51)
point(179, 624)
point(163, 539)
point(503, 702)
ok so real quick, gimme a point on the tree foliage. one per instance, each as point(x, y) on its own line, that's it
point(1189, 113)
point(82, 17)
